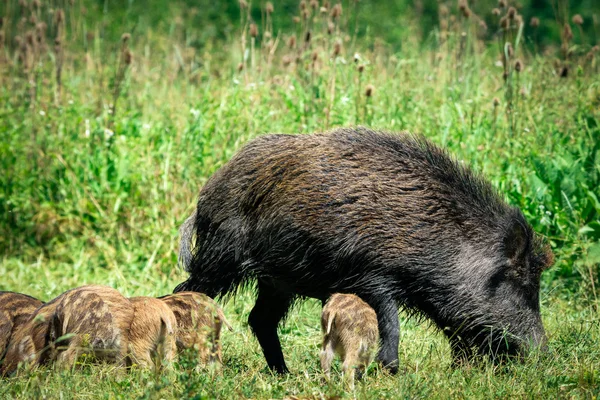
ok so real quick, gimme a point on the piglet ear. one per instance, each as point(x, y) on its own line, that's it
point(516, 242)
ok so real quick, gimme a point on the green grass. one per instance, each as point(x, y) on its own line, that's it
point(88, 196)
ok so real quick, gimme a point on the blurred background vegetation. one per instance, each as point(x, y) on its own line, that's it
point(183, 83)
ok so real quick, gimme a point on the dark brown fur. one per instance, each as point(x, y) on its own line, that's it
point(15, 309)
point(199, 322)
point(390, 217)
point(349, 328)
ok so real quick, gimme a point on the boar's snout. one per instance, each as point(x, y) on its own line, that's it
point(538, 340)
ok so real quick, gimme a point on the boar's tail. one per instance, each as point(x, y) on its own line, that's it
point(166, 328)
point(330, 322)
point(186, 232)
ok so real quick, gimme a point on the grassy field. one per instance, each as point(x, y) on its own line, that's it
point(106, 139)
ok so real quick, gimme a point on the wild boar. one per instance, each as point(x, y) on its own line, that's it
point(349, 328)
point(390, 217)
point(199, 322)
point(15, 309)
point(152, 334)
point(92, 319)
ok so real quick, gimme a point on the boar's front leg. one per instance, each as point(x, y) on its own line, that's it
point(270, 308)
point(389, 329)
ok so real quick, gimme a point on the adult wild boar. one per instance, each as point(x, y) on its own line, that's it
point(389, 217)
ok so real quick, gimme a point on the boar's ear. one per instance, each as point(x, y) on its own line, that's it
point(515, 242)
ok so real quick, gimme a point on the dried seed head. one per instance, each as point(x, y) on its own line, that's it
point(303, 5)
point(502, 3)
point(330, 28)
point(361, 68)
point(504, 22)
point(512, 12)
point(59, 16)
point(267, 35)
point(505, 75)
point(240, 67)
point(314, 56)
point(577, 19)
point(518, 65)
point(125, 38)
point(523, 92)
point(482, 25)
point(370, 90)
point(314, 4)
point(307, 37)
point(29, 38)
point(336, 11)
point(23, 6)
point(567, 32)
point(534, 22)
point(337, 48)
point(356, 57)
point(323, 10)
point(286, 60)
point(32, 19)
point(595, 49)
point(89, 36)
point(589, 56)
point(443, 25)
point(564, 72)
point(443, 10)
point(496, 102)
point(127, 57)
point(243, 4)
point(306, 14)
point(463, 7)
point(509, 50)
point(296, 20)
point(253, 30)
point(496, 12)
point(292, 42)
point(269, 8)
point(518, 20)
point(36, 4)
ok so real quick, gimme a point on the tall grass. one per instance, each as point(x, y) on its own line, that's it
point(106, 137)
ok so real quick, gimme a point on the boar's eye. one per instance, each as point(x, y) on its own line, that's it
point(496, 280)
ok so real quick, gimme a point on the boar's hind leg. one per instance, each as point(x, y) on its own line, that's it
point(389, 334)
point(270, 307)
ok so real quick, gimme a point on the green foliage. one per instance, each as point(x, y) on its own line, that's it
point(94, 193)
